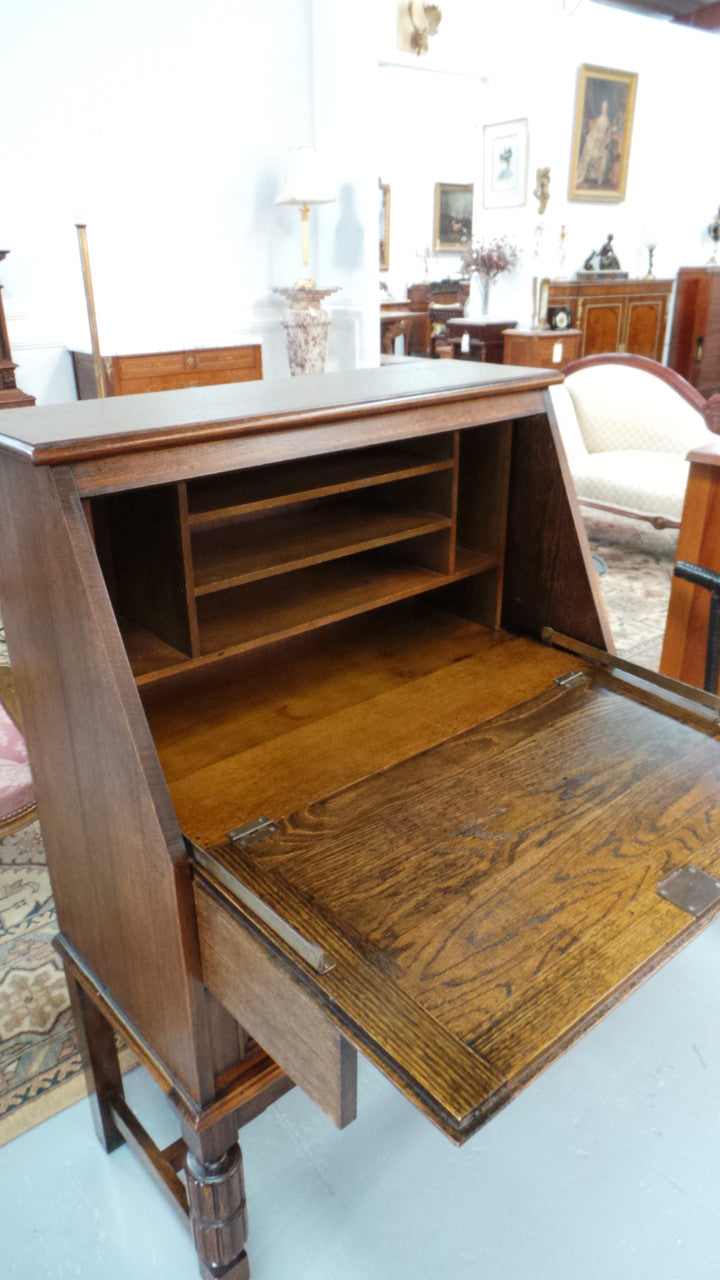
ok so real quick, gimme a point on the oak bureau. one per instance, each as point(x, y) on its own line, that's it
point(332, 753)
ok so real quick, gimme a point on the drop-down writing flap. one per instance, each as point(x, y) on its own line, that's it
point(488, 899)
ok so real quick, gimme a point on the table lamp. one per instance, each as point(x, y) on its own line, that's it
point(306, 183)
point(305, 321)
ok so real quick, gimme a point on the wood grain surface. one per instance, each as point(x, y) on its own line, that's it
point(487, 899)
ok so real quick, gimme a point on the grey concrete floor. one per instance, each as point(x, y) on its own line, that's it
point(606, 1168)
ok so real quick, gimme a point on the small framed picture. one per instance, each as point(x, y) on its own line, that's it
point(604, 107)
point(452, 227)
point(505, 162)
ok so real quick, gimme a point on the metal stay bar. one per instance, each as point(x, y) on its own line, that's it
point(689, 693)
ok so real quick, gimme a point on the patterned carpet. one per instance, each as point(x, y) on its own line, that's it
point(40, 1070)
point(636, 587)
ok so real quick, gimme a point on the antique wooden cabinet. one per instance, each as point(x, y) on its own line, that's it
point(331, 753)
point(541, 348)
point(695, 334)
point(616, 315)
point(167, 370)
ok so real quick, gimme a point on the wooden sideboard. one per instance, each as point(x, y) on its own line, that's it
point(695, 334)
point(331, 754)
point(167, 370)
point(616, 315)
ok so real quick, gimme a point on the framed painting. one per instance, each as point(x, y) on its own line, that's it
point(384, 228)
point(604, 109)
point(505, 155)
point(452, 227)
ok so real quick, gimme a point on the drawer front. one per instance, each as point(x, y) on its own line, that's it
point(265, 998)
point(170, 370)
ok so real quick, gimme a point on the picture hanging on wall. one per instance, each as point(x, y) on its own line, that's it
point(604, 108)
point(452, 228)
point(384, 227)
point(505, 155)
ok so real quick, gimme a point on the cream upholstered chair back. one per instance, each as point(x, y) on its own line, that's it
point(620, 407)
point(628, 424)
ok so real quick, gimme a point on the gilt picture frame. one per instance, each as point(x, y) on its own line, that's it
point(384, 224)
point(505, 164)
point(453, 217)
point(602, 132)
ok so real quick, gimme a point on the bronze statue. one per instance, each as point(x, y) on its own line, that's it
point(604, 259)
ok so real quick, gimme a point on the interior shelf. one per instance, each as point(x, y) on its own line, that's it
point(224, 498)
point(272, 609)
point(299, 537)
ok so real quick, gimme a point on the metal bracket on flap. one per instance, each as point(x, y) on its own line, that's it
point(690, 889)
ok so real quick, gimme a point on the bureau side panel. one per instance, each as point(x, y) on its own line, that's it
point(550, 579)
point(114, 850)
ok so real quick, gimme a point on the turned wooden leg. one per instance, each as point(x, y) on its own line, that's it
point(101, 1064)
point(218, 1214)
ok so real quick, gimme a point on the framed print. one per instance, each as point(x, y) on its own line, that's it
point(505, 152)
point(604, 109)
point(452, 228)
point(384, 228)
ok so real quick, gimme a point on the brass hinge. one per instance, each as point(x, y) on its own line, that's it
point(571, 679)
point(251, 832)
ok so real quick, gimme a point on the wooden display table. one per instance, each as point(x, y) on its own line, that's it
point(331, 755)
point(488, 332)
point(541, 348)
point(166, 370)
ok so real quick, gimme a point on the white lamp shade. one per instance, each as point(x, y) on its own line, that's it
point(306, 181)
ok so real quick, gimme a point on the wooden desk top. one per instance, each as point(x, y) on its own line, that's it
point(51, 434)
point(708, 454)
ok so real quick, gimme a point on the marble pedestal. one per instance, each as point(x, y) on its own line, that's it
point(306, 324)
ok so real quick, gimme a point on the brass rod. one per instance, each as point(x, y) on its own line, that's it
point(90, 302)
point(305, 213)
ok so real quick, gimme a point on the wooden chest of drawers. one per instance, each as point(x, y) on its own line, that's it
point(167, 370)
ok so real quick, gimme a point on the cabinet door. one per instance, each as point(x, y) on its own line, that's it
point(602, 326)
point(645, 327)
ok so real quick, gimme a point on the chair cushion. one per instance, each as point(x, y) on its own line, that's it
point(619, 407)
point(652, 484)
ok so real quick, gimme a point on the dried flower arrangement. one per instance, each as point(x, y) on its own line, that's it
point(490, 259)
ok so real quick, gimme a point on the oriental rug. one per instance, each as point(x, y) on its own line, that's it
point(40, 1068)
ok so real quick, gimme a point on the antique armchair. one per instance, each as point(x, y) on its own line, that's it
point(627, 424)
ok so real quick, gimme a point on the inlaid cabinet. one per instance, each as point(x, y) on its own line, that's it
point(616, 315)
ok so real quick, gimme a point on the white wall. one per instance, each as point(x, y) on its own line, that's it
point(165, 123)
point(520, 59)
